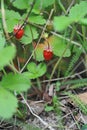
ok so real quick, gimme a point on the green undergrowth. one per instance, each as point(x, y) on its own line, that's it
point(49, 48)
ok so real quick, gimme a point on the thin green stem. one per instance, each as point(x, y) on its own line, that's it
point(61, 6)
point(4, 21)
point(13, 68)
point(38, 83)
point(4, 71)
point(83, 32)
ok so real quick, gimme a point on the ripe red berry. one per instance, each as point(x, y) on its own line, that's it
point(18, 32)
point(48, 54)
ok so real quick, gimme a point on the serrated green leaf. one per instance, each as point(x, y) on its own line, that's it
point(58, 46)
point(27, 38)
point(78, 11)
point(83, 21)
point(62, 22)
point(31, 67)
point(35, 71)
point(37, 19)
point(40, 4)
point(8, 103)
point(10, 24)
point(31, 75)
point(2, 42)
point(23, 4)
point(6, 55)
point(47, 3)
point(15, 82)
point(41, 69)
point(10, 14)
point(12, 18)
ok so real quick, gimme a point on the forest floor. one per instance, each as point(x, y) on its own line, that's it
point(38, 119)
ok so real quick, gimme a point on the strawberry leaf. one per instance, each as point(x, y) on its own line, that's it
point(18, 82)
point(59, 46)
point(78, 11)
point(21, 5)
point(8, 103)
point(35, 71)
point(60, 23)
point(29, 34)
point(6, 55)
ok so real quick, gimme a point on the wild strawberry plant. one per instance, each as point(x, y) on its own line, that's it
point(25, 49)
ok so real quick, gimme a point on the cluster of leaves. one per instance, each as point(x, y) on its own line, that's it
point(15, 83)
point(76, 15)
point(10, 83)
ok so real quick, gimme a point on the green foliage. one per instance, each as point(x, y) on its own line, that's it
point(18, 82)
point(61, 22)
point(58, 46)
point(78, 102)
point(74, 59)
point(48, 108)
point(11, 82)
point(84, 127)
point(40, 4)
point(58, 84)
point(6, 55)
point(8, 103)
point(35, 71)
point(11, 13)
point(21, 4)
point(15, 13)
point(2, 41)
point(38, 55)
point(55, 107)
point(10, 20)
point(76, 13)
point(30, 34)
point(75, 81)
point(79, 85)
point(37, 19)
point(83, 21)
point(0, 25)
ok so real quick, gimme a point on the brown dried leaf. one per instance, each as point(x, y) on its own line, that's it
point(83, 97)
point(37, 106)
point(47, 98)
point(51, 90)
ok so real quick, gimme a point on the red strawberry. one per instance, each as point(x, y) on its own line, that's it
point(18, 32)
point(48, 54)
